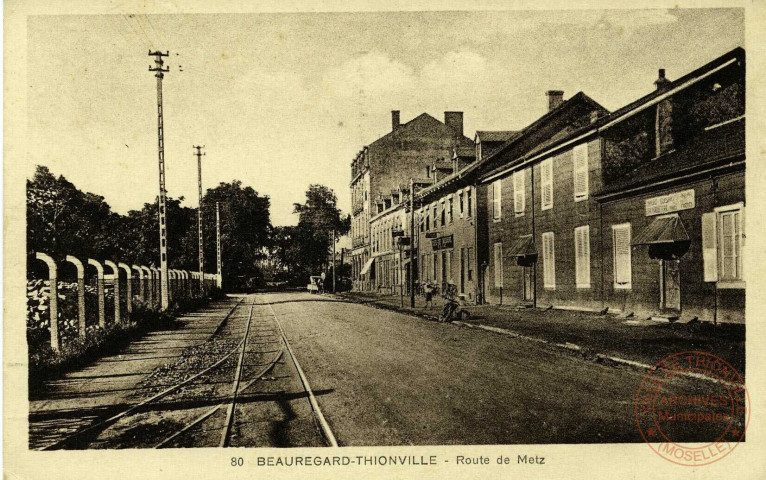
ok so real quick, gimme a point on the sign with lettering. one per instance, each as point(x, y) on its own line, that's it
point(442, 243)
point(672, 202)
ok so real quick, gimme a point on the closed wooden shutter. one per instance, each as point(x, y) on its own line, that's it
point(549, 261)
point(621, 249)
point(709, 247)
point(518, 193)
point(580, 154)
point(546, 174)
point(582, 257)
point(496, 199)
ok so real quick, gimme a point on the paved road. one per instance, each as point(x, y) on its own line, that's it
point(393, 379)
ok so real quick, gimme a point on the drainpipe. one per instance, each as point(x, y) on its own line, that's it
point(534, 267)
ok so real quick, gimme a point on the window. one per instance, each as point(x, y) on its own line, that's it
point(496, 200)
point(549, 261)
point(731, 238)
point(621, 255)
point(582, 256)
point(428, 220)
point(723, 242)
point(546, 181)
point(460, 202)
point(469, 207)
point(450, 212)
point(443, 214)
point(434, 261)
point(580, 160)
point(436, 219)
point(518, 193)
point(498, 265)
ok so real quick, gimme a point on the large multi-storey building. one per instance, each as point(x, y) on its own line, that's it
point(380, 178)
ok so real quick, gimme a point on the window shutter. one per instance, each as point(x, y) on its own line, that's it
point(549, 261)
point(518, 192)
point(546, 173)
point(580, 154)
point(498, 265)
point(582, 257)
point(496, 199)
point(622, 267)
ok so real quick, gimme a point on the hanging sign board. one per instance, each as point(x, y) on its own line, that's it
point(672, 202)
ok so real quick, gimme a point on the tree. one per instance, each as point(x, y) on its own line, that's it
point(245, 232)
point(62, 219)
point(318, 220)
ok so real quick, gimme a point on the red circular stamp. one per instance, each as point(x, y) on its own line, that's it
point(692, 408)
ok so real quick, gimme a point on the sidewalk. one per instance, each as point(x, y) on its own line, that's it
point(631, 339)
point(81, 397)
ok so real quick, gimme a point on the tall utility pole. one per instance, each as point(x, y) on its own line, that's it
point(333, 260)
point(413, 253)
point(201, 257)
point(219, 263)
point(160, 71)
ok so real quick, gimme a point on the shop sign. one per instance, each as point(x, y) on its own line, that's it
point(442, 243)
point(673, 202)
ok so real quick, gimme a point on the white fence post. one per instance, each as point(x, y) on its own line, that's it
point(52, 299)
point(80, 293)
point(100, 291)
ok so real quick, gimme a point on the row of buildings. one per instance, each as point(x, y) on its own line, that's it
point(637, 210)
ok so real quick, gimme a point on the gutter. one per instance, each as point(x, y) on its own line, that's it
point(525, 161)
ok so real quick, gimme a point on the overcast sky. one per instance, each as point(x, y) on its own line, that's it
point(285, 100)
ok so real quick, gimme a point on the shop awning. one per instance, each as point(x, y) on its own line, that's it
point(523, 247)
point(662, 230)
point(367, 266)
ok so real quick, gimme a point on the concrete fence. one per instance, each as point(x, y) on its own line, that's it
point(129, 285)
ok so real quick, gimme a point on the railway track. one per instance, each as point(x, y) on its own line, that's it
point(182, 416)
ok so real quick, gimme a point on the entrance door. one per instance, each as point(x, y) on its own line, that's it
point(528, 284)
point(670, 288)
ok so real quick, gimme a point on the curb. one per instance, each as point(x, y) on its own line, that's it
point(571, 347)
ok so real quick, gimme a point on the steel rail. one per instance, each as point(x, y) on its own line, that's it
point(143, 403)
point(326, 430)
point(235, 387)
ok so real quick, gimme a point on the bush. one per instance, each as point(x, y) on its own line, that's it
point(99, 341)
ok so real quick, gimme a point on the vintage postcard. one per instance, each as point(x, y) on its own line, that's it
point(352, 240)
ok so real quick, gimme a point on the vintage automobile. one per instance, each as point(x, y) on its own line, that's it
point(313, 285)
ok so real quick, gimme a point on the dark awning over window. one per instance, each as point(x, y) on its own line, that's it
point(523, 247)
point(662, 230)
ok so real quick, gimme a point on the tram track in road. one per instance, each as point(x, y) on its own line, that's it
point(211, 400)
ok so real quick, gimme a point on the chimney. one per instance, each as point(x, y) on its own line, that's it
point(454, 120)
point(394, 119)
point(661, 83)
point(555, 98)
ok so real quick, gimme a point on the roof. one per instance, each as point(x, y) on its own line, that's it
point(579, 97)
point(495, 135)
point(719, 145)
point(569, 134)
point(422, 118)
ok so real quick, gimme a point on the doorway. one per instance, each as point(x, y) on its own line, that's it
point(670, 285)
point(528, 285)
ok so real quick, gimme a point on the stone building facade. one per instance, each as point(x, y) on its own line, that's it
point(381, 174)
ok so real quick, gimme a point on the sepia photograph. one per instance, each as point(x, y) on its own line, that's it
point(448, 230)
